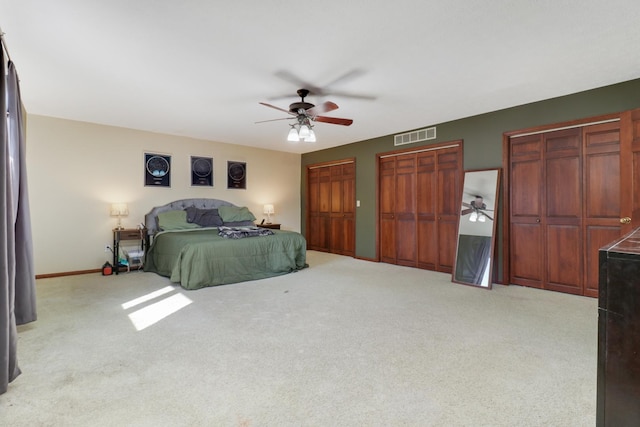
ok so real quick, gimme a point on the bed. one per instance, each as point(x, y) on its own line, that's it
point(184, 243)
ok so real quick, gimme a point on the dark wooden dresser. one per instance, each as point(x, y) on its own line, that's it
point(618, 401)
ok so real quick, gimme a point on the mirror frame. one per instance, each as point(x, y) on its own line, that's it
point(468, 190)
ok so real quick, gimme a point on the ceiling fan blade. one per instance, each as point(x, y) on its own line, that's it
point(325, 107)
point(290, 77)
point(466, 211)
point(350, 95)
point(326, 89)
point(276, 108)
point(487, 216)
point(333, 120)
point(274, 120)
point(466, 204)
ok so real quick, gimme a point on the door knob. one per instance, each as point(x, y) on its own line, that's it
point(625, 220)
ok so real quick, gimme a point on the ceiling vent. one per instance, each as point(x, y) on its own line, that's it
point(415, 136)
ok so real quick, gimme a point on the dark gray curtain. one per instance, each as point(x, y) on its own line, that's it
point(17, 279)
point(25, 290)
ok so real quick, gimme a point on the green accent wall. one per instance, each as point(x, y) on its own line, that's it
point(482, 136)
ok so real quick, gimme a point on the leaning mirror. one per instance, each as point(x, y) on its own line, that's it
point(476, 228)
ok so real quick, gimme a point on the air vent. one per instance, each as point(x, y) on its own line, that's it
point(415, 136)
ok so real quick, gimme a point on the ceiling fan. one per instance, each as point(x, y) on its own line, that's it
point(477, 208)
point(304, 113)
point(328, 89)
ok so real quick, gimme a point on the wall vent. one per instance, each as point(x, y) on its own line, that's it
point(415, 136)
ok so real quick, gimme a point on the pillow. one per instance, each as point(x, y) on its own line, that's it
point(235, 214)
point(174, 220)
point(203, 217)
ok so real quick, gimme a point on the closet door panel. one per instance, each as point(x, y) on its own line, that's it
point(313, 195)
point(426, 211)
point(349, 240)
point(324, 189)
point(563, 207)
point(324, 231)
point(603, 202)
point(427, 245)
point(526, 266)
point(313, 207)
point(406, 210)
point(526, 212)
point(448, 199)
point(387, 199)
point(564, 258)
point(563, 189)
point(336, 235)
point(526, 180)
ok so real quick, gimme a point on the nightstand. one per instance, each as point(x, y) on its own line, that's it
point(126, 234)
point(271, 226)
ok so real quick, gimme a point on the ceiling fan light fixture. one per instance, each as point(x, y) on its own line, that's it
point(293, 135)
point(304, 132)
point(482, 218)
point(473, 217)
point(311, 137)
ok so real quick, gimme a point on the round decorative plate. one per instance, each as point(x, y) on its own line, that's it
point(202, 167)
point(157, 166)
point(236, 171)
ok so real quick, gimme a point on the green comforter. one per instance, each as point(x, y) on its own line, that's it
point(199, 258)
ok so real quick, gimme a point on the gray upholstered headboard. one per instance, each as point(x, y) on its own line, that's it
point(151, 219)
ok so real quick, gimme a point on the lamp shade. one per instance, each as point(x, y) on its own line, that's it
point(268, 209)
point(311, 137)
point(119, 209)
point(304, 131)
point(293, 135)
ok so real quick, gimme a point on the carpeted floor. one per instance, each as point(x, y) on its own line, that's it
point(343, 343)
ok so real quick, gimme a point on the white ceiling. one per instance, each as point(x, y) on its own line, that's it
point(198, 68)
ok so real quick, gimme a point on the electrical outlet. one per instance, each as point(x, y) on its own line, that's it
point(107, 248)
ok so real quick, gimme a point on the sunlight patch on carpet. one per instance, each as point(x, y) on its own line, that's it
point(147, 297)
point(152, 314)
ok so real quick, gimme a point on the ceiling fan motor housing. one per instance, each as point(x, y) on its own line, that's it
point(297, 106)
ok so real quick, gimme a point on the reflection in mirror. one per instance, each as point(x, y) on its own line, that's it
point(476, 228)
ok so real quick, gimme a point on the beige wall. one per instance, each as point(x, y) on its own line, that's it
point(76, 170)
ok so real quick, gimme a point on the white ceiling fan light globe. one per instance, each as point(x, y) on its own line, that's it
point(293, 135)
point(311, 137)
point(304, 132)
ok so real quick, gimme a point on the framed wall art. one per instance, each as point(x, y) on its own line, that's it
point(201, 171)
point(157, 170)
point(237, 175)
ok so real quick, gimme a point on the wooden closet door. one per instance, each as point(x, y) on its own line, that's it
point(397, 209)
point(387, 209)
point(331, 208)
point(562, 219)
point(418, 205)
point(318, 218)
point(569, 191)
point(526, 212)
point(449, 165)
point(405, 210)
point(342, 240)
point(603, 202)
point(313, 209)
point(427, 187)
